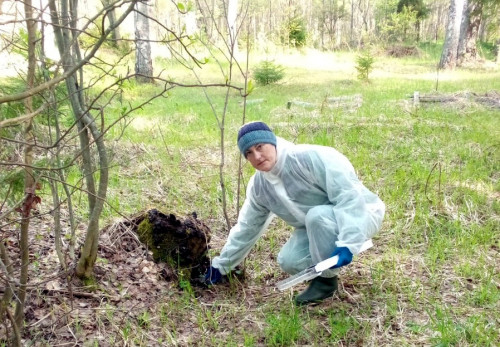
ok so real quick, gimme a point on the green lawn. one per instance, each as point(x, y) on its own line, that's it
point(433, 276)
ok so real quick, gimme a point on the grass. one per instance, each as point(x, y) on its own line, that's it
point(433, 276)
point(283, 328)
point(437, 171)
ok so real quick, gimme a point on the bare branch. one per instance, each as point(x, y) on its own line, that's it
point(17, 335)
point(176, 37)
point(85, 60)
point(21, 119)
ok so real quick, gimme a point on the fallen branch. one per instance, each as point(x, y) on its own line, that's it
point(346, 101)
point(490, 99)
point(437, 98)
point(301, 104)
point(82, 294)
point(253, 101)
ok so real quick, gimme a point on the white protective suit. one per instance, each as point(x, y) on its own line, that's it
point(314, 189)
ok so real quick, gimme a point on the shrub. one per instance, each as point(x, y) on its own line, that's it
point(364, 65)
point(297, 34)
point(268, 72)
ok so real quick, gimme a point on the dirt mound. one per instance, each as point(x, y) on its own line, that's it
point(130, 285)
point(489, 99)
point(398, 51)
point(180, 243)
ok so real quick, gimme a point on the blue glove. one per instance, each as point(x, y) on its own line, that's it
point(345, 256)
point(213, 276)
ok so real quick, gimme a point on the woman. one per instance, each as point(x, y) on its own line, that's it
point(312, 188)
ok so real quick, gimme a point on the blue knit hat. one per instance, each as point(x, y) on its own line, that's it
point(253, 133)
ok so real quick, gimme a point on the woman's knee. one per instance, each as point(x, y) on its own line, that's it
point(286, 264)
point(294, 255)
point(292, 265)
point(319, 216)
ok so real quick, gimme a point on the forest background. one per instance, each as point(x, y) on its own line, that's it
point(110, 108)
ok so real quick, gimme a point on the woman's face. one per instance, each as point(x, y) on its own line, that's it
point(262, 156)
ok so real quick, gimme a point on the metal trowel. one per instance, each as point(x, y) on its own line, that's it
point(315, 270)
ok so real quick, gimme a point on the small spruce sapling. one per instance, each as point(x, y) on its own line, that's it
point(364, 65)
point(268, 72)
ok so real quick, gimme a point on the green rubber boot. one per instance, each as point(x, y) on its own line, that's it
point(319, 289)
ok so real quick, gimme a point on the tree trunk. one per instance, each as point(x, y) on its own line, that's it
point(71, 58)
point(351, 41)
point(469, 32)
point(232, 25)
point(57, 222)
point(115, 34)
point(29, 180)
point(64, 37)
point(464, 24)
point(449, 54)
point(270, 18)
point(436, 31)
point(143, 60)
point(498, 51)
point(6, 266)
point(85, 266)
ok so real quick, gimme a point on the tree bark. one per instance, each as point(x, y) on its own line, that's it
point(70, 53)
point(29, 179)
point(57, 223)
point(143, 60)
point(469, 32)
point(115, 34)
point(6, 266)
point(351, 40)
point(449, 53)
point(85, 266)
point(64, 39)
point(498, 51)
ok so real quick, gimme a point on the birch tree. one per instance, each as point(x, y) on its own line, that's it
point(450, 47)
point(143, 60)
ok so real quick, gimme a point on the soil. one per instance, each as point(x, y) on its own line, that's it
point(181, 243)
point(400, 51)
point(128, 278)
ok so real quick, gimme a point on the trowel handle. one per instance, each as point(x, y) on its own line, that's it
point(328, 263)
